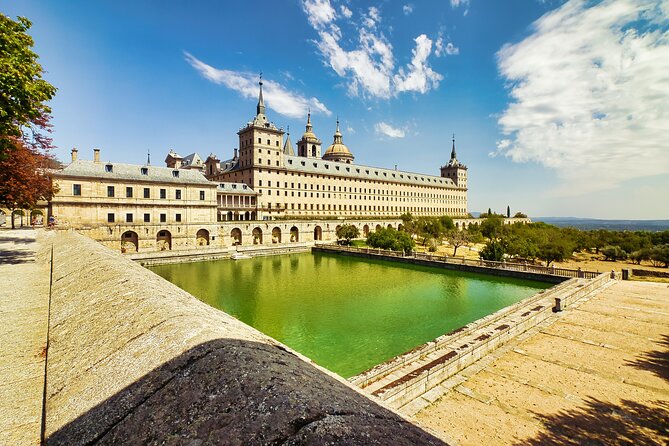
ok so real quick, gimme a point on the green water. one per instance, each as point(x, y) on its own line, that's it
point(346, 314)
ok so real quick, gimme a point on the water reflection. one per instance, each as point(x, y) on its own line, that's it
point(345, 313)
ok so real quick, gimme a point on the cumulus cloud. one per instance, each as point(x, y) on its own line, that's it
point(448, 49)
point(457, 3)
point(277, 97)
point(345, 11)
point(590, 93)
point(385, 129)
point(370, 66)
point(407, 9)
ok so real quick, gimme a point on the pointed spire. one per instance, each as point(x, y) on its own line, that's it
point(453, 149)
point(260, 109)
point(337, 135)
point(288, 145)
point(309, 127)
point(148, 157)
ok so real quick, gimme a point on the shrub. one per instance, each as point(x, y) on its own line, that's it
point(613, 253)
point(493, 250)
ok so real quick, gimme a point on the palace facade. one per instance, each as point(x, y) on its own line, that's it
point(304, 183)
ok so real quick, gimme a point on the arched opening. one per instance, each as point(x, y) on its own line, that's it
point(236, 236)
point(253, 216)
point(390, 226)
point(400, 227)
point(294, 234)
point(257, 236)
point(457, 225)
point(230, 216)
point(164, 240)
point(129, 242)
point(202, 237)
point(365, 230)
point(276, 235)
point(337, 228)
point(247, 215)
point(378, 227)
point(318, 233)
point(313, 151)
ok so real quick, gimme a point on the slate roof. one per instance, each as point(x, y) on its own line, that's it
point(321, 167)
point(121, 171)
point(235, 188)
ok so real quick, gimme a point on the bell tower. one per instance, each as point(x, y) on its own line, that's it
point(455, 170)
point(309, 146)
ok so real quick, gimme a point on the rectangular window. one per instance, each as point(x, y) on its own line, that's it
point(147, 218)
point(110, 191)
point(163, 218)
point(145, 170)
point(177, 194)
point(128, 192)
point(76, 189)
point(110, 218)
point(147, 192)
point(163, 193)
point(201, 195)
point(128, 218)
point(177, 217)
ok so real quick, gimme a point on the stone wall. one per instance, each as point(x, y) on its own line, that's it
point(133, 359)
point(650, 273)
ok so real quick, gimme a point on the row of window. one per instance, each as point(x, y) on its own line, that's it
point(129, 192)
point(130, 218)
point(345, 207)
point(361, 190)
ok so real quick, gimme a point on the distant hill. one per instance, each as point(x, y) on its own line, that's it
point(615, 225)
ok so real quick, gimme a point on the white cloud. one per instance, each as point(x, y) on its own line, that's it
point(277, 97)
point(319, 12)
point(420, 77)
point(345, 11)
point(350, 130)
point(590, 93)
point(458, 3)
point(445, 50)
point(369, 67)
point(385, 129)
point(407, 9)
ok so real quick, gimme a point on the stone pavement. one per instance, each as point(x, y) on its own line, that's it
point(24, 295)
point(597, 374)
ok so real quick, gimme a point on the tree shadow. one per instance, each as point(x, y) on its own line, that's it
point(656, 361)
point(16, 240)
point(16, 257)
point(231, 391)
point(601, 423)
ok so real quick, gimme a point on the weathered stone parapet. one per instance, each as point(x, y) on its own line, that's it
point(135, 360)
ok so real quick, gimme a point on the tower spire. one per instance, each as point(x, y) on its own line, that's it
point(309, 127)
point(148, 157)
point(260, 109)
point(453, 149)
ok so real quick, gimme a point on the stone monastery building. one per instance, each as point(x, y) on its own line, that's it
point(309, 183)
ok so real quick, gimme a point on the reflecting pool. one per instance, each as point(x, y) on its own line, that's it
point(345, 313)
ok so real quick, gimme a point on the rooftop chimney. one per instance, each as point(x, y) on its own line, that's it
point(96, 155)
point(235, 157)
point(75, 152)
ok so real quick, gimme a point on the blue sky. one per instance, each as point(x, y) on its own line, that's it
point(559, 108)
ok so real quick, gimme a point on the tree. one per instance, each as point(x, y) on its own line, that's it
point(519, 215)
point(389, 238)
point(348, 232)
point(508, 211)
point(641, 255)
point(429, 228)
point(489, 211)
point(24, 114)
point(493, 250)
point(491, 227)
point(613, 253)
point(458, 238)
point(25, 178)
point(555, 250)
point(660, 255)
point(24, 120)
point(446, 223)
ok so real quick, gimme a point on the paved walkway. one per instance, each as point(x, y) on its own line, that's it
point(599, 374)
point(24, 294)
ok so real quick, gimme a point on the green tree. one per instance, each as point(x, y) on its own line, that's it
point(389, 238)
point(555, 250)
point(493, 250)
point(347, 233)
point(519, 215)
point(508, 211)
point(491, 227)
point(447, 223)
point(24, 113)
point(429, 228)
point(613, 253)
point(641, 255)
point(660, 255)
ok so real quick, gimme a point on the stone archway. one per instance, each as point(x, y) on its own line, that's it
point(378, 227)
point(276, 235)
point(365, 230)
point(318, 233)
point(236, 236)
point(390, 226)
point(247, 215)
point(253, 216)
point(257, 236)
point(164, 240)
point(400, 227)
point(202, 237)
point(230, 216)
point(129, 242)
point(294, 234)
